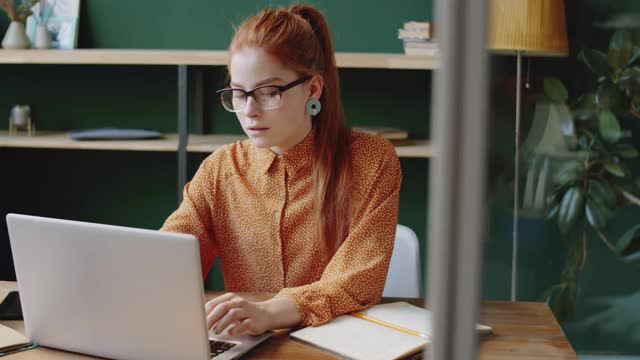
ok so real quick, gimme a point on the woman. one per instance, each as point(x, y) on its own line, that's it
point(305, 208)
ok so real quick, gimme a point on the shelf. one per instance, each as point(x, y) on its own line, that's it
point(196, 57)
point(60, 140)
point(197, 143)
point(385, 61)
point(417, 149)
point(209, 143)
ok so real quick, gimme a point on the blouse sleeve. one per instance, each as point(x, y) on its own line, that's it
point(355, 276)
point(194, 215)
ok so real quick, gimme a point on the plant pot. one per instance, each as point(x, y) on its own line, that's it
point(42, 37)
point(15, 37)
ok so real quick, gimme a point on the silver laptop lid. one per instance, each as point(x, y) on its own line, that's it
point(110, 291)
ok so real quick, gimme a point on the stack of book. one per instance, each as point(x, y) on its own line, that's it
point(418, 39)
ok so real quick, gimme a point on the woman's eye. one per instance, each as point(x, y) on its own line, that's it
point(268, 92)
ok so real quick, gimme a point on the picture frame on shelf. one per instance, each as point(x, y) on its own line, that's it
point(61, 20)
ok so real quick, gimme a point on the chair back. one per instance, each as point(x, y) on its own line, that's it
point(404, 278)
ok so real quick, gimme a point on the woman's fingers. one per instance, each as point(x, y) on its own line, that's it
point(235, 313)
point(211, 304)
point(246, 327)
point(222, 308)
point(232, 316)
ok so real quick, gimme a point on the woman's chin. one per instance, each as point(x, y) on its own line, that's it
point(260, 142)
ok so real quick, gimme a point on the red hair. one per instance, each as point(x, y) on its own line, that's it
point(298, 36)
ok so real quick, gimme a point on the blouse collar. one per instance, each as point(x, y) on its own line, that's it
point(294, 158)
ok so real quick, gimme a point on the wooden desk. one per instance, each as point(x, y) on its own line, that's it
point(522, 331)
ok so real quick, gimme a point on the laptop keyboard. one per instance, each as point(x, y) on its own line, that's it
point(219, 347)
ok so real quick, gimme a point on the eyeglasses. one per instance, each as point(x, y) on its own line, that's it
point(268, 96)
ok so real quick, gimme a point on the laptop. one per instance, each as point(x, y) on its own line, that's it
point(114, 292)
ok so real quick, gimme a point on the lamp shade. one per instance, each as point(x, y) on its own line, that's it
point(533, 27)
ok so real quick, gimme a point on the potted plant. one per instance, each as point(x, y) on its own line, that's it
point(16, 37)
point(589, 188)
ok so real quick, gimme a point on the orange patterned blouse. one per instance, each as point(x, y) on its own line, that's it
point(253, 209)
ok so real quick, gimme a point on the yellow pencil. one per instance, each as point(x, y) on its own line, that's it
point(392, 326)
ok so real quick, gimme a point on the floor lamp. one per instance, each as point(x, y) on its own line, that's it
point(525, 28)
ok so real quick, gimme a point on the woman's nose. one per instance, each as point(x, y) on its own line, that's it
point(251, 107)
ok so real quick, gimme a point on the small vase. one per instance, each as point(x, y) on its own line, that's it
point(15, 37)
point(20, 115)
point(42, 37)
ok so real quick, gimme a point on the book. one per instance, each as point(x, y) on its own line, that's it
point(420, 47)
point(417, 25)
point(11, 341)
point(412, 34)
point(420, 44)
point(388, 331)
point(388, 133)
point(410, 50)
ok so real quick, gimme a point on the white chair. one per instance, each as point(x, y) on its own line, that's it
point(404, 278)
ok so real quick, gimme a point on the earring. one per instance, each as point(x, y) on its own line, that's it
point(313, 106)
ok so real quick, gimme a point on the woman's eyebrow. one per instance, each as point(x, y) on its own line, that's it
point(263, 82)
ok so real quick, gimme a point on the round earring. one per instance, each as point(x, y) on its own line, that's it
point(313, 106)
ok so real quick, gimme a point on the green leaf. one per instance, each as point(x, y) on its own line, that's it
point(586, 107)
point(553, 212)
point(619, 49)
point(633, 258)
point(596, 61)
point(629, 242)
point(628, 81)
point(555, 90)
point(638, 182)
point(597, 215)
point(635, 57)
point(602, 192)
point(568, 173)
point(614, 169)
point(585, 141)
point(629, 74)
point(567, 126)
point(555, 196)
point(608, 126)
point(570, 209)
point(626, 151)
point(608, 96)
point(635, 102)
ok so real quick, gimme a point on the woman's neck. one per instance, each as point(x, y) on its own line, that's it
point(294, 139)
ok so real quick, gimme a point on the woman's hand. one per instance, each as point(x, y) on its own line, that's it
point(247, 317)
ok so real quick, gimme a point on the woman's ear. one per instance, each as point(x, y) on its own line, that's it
point(315, 86)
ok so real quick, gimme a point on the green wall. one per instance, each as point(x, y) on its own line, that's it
point(65, 97)
point(139, 188)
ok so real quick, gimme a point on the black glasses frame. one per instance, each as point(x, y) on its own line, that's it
point(281, 88)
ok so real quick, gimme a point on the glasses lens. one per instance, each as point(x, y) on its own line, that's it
point(233, 100)
point(268, 97)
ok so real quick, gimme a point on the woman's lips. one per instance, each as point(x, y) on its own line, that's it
point(256, 130)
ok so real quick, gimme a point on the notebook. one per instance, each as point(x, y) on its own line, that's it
point(11, 341)
point(387, 331)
